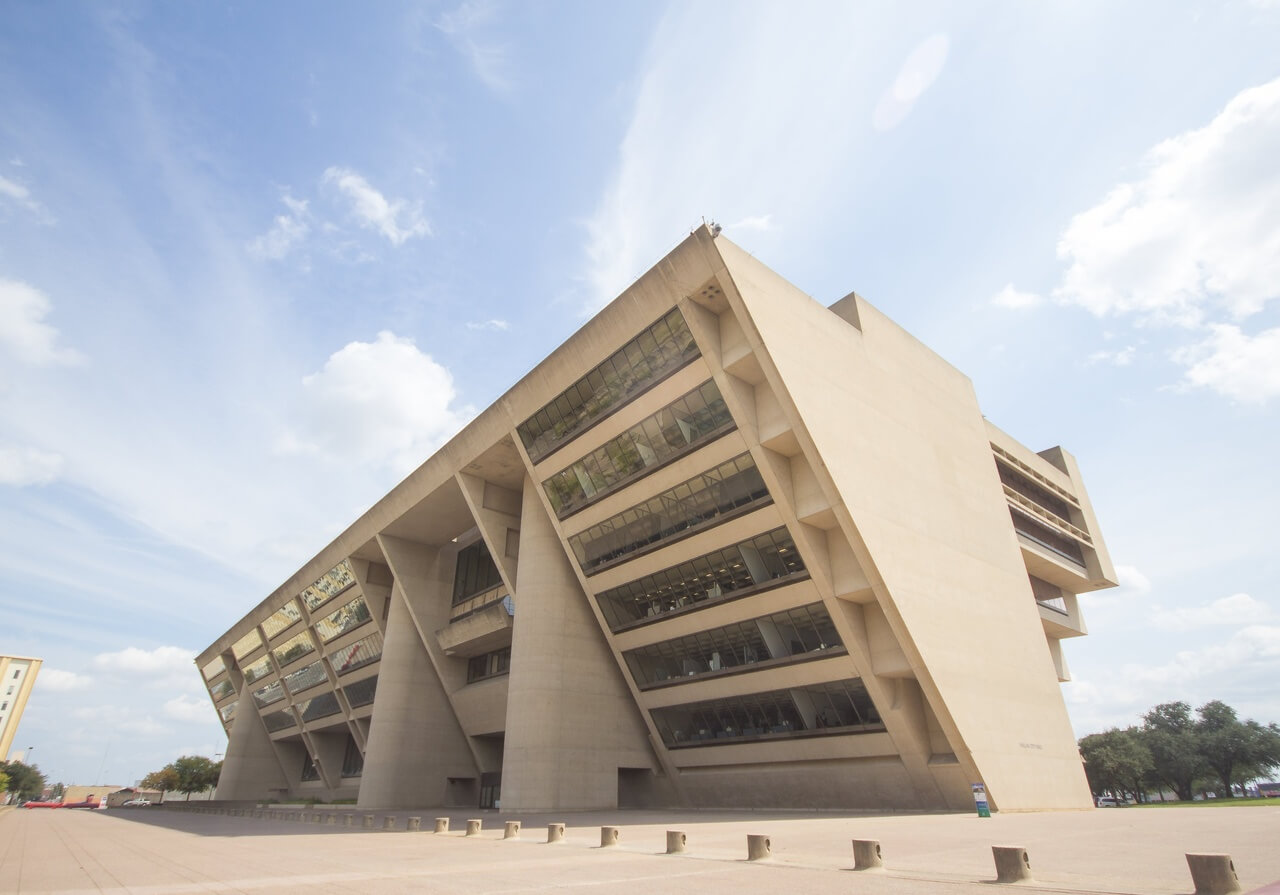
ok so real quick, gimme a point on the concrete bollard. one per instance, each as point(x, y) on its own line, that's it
point(415, 824)
point(676, 842)
point(442, 824)
point(758, 848)
point(474, 826)
point(512, 830)
point(317, 818)
point(866, 855)
point(1213, 874)
point(348, 819)
point(389, 822)
point(368, 822)
point(331, 820)
point(555, 832)
point(608, 836)
point(1012, 863)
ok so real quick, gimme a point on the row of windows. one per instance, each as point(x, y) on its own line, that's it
point(328, 585)
point(690, 505)
point(358, 694)
point(840, 705)
point(677, 428)
point(1034, 493)
point(795, 632)
point(660, 350)
point(1046, 537)
point(339, 622)
point(213, 668)
point(719, 575)
point(489, 665)
point(474, 572)
point(351, 657)
point(306, 677)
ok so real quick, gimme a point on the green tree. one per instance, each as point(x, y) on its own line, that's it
point(1169, 732)
point(25, 781)
point(1234, 750)
point(163, 780)
point(1116, 761)
point(4, 782)
point(196, 773)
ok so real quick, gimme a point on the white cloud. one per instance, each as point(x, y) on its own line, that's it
point(489, 59)
point(495, 325)
point(158, 665)
point(759, 222)
point(1130, 579)
point(23, 331)
point(28, 466)
point(1238, 366)
point(59, 681)
point(376, 402)
point(1009, 297)
point(186, 708)
point(397, 219)
point(917, 74)
point(18, 193)
point(287, 231)
point(1237, 609)
point(1199, 232)
point(1121, 357)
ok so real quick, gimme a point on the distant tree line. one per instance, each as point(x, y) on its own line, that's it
point(1212, 750)
point(188, 774)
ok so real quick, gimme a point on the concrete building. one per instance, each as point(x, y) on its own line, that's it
point(723, 547)
point(17, 677)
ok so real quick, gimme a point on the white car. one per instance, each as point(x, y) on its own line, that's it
point(137, 803)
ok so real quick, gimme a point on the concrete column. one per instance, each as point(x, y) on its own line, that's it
point(251, 769)
point(415, 743)
point(571, 722)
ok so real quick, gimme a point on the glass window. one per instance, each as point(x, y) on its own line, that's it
point(702, 501)
point(743, 568)
point(362, 691)
point(329, 585)
point(272, 692)
point(319, 707)
point(307, 676)
point(228, 711)
point(246, 644)
point(310, 770)
point(221, 689)
point(358, 654)
point(293, 649)
point(279, 720)
point(489, 665)
point(475, 572)
point(348, 618)
point(352, 759)
point(806, 631)
point(838, 706)
point(214, 668)
point(257, 670)
point(668, 434)
point(639, 364)
point(282, 618)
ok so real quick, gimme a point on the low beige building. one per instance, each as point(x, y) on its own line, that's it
point(723, 547)
point(17, 677)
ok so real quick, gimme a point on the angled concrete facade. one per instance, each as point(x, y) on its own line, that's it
point(725, 547)
point(17, 678)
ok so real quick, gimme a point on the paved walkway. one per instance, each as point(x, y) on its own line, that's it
point(151, 850)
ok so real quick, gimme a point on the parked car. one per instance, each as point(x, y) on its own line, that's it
point(137, 803)
point(1108, 802)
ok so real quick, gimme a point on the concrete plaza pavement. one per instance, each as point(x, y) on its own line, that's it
point(156, 850)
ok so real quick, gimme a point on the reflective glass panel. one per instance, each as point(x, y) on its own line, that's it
point(215, 667)
point(259, 669)
point(282, 618)
point(352, 759)
point(279, 720)
point(743, 568)
point(361, 692)
point(293, 649)
point(689, 421)
point(221, 689)
point(246, 644)
point(329, 585)
point(228, 711)
point(272, 692)
point(629, 371)
point(489, 665)
point(358, 654)
point(319, 707)
point(349, 617)
point(838, 706)
point(307, 676)
point(705, 500)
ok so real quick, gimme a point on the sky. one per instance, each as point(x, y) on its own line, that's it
point(258, 261)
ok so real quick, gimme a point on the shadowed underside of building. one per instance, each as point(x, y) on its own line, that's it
point(725, 547)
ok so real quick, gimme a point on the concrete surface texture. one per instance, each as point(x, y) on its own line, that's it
point(163, 851)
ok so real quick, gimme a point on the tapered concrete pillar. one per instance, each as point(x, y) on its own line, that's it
point(571, 722)
point(251, 769)
point(415, 743)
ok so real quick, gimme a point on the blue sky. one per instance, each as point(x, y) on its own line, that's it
point(258, 261)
